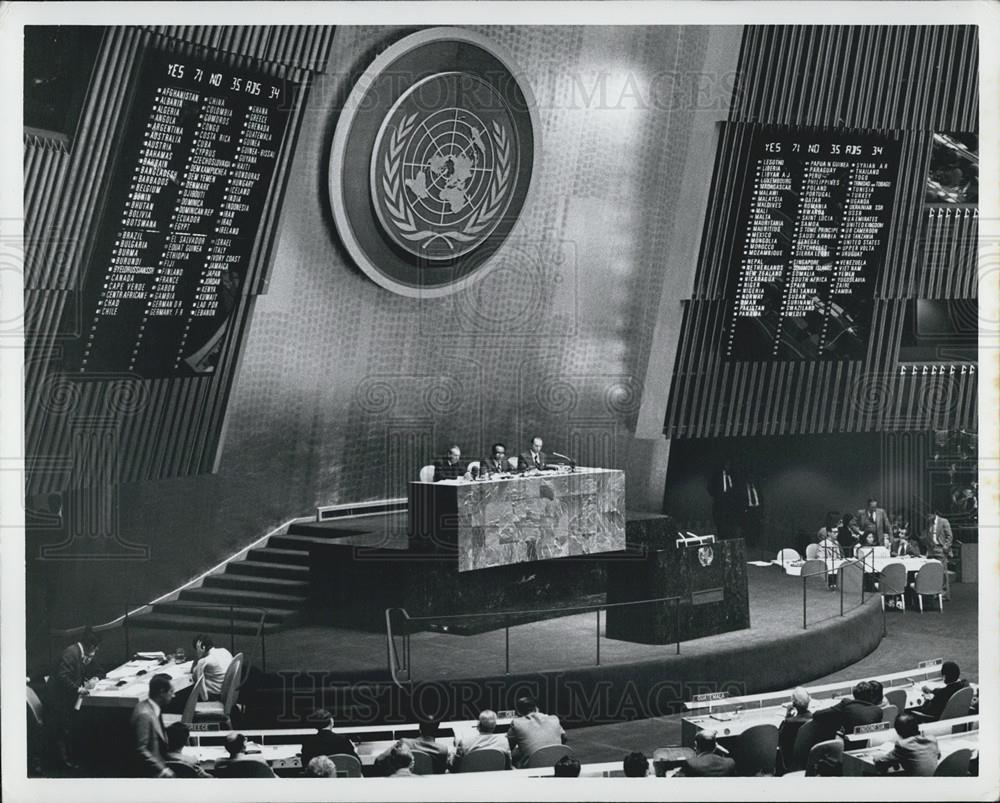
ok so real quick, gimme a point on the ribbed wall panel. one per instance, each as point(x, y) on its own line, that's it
point(907, 80)
point(165, 427)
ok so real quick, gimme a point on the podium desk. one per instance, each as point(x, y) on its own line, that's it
point(518, 518)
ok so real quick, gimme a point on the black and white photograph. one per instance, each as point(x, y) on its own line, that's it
point(478, 394)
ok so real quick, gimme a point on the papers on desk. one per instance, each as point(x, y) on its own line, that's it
point(759, 563)
point(725, 716)
point(151, 656)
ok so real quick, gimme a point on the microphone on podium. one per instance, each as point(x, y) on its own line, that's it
point(570, 460)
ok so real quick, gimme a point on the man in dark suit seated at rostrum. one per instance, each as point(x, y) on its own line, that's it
point(935, 699)
point(534, 458)
point(707, 760)
point(452, 467)
point(496, 463)
point(848, 713)
point(325, 742)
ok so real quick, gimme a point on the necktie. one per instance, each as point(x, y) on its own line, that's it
point(538, 461)
point(725, 481)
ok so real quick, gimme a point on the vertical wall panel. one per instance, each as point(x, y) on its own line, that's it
point(910, 80)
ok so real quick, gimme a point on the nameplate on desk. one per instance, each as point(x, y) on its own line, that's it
point(710, 697)
point(203, 726)
point(930, 662)
point(875, 726)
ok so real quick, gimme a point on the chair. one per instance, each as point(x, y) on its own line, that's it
point(826, 759)
point(756, 750)
point(865, 554)
point(812, 551)
point(219, 710)
point(808, 735)
point(896, 697)
point(787, 556)
point(182, 769)
point(422, 764)
point(890, 712)
point(929, 582)
point(958, 704)
point(348, 766)
point(892, 583)
point(512, 462)
point(187, 716)
point(244, 768)
point(483, 761)
point(427, 474)
point(879, 552)
point(954, 765)
point(814, 568)
point(548, 755)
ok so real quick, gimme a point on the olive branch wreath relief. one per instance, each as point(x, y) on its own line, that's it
point(399, 211)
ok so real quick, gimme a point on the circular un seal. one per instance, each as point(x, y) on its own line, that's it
point(706, 555)
point(432, 161)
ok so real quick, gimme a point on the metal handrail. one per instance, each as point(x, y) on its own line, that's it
point(826, 571)
point(258, 637)
point(398, 667)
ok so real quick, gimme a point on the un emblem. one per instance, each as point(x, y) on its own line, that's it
point(706, 555)
point(432, 161)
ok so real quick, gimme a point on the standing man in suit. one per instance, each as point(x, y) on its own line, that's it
point(534, 457)
point(325, 742)
point(151, 745)
point(753, 512)
point(874, 519)
point(68, 681)
point(726, 502)
point(496, 463)
point(936, 542)
point(707, 762)
point(452, 467)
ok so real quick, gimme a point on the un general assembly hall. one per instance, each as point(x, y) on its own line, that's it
point(487, 403)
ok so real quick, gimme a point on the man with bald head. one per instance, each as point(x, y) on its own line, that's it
point(482, 737)
point(451, 467)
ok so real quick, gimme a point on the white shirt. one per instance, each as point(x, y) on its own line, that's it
point(213, 666)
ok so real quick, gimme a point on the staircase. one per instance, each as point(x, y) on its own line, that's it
point(274, 576)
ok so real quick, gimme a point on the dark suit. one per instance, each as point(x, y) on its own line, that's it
point(150, 739)
point(877, 521)
point(708, 765)
point(934, 705)
point(526, 460)
point(726, 502)
point(904, 548)
point(443, 470)
point(490, 466)
point(61, 696)
point(326, 743)
point(846, 715)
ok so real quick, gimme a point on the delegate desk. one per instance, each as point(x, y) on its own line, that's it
point(280, 747)
point(863, 762)
point(126, 685)
point(871, 565)
point(730, 716)
point(523, 517)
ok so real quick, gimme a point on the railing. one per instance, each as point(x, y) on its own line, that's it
point(400, 658)
point(827, 570)
point(132, 612)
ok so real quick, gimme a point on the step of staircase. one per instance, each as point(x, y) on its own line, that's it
point(239, 611)
point(233, 596)
point(200, 624)
point(255, 583)
point(287, 571)
point(274, 554)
